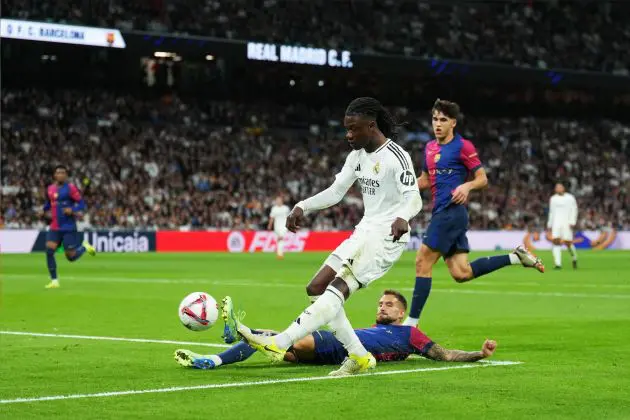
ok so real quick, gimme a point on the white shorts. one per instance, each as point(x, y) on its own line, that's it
point(563, 232)
point(366, 256)
point(281, 232)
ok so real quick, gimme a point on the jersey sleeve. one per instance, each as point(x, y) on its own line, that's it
point(346, 177)
point(273, 212)
point(469, 157)
point(419, 342)
point(404, 174)
point(333, 194)
point(75, 195)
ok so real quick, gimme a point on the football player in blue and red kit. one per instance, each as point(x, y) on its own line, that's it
point(450, 161)
point(63, 205)
point(388, 340)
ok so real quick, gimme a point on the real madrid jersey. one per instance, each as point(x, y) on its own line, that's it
point(562, 210)
point(383, 177)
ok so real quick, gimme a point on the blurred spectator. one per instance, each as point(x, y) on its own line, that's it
point(581, 34)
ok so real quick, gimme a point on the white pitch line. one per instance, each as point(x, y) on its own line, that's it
point(130, 340)
point(246, 384)
point(266, 284)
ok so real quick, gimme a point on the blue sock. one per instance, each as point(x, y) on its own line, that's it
point(420, 295)
point(487, 265)
point(52, 264)
point(238, 353)
point(79, 252)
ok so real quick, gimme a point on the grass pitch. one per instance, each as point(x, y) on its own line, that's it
point(571, 330)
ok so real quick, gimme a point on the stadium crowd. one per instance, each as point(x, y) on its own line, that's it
point(585, 35)
point(168, 164)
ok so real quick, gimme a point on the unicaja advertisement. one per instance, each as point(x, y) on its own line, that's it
point(107, 241)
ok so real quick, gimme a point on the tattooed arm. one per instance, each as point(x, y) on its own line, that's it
point(437, 352)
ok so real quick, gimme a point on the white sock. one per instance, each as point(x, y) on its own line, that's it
point(216, 359)
point(573, 252)
point(556, 250)
point(319, 313)
point(341, 327)
point(412, 322)
point(280, 248)
point(514, 259)
point(313, 299)
point(54, 281)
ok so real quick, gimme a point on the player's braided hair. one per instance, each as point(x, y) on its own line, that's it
point(372, 108)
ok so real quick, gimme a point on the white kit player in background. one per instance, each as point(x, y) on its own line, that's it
point(384, 173)
point(562, 219)
point(278, 219)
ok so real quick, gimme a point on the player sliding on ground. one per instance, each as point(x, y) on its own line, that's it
point(385, 174)
point(449, 160)
point(63, 205)
point(388, 340)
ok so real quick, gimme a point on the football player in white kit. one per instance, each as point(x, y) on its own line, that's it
point(384, 173)
point(278, 219)
point(562, 219)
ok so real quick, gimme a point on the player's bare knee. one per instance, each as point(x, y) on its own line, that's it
point(461, 276)
point(423, 266)
point(341, 285)
point(70, 255)
point(301, 345)
point(318, 284)
point(51, 245)
point(418, 263)
point(313, 289)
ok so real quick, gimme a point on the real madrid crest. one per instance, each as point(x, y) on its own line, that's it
point(377, 168)
point(437, 157)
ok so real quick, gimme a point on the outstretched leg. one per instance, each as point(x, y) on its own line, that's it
point(359, 359)
point(237, 353)
point(462, 271)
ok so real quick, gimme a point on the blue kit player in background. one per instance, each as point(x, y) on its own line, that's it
point(64, 204)
point(449, 161)
point(388, 341)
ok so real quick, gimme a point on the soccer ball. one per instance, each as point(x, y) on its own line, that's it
point(198, 311)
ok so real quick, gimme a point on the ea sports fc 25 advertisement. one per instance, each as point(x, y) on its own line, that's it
point(25, 241)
